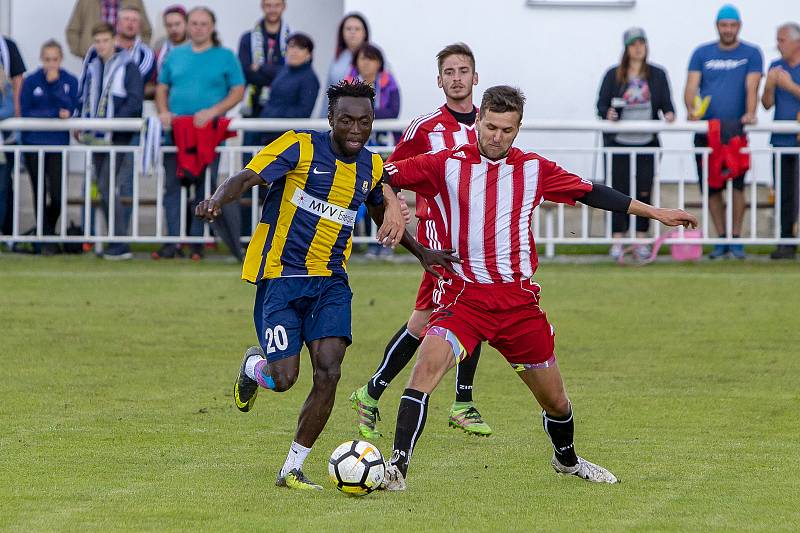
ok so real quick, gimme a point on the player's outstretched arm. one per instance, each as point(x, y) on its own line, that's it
point(604, 197)
point(229, 190)
point(668, 217)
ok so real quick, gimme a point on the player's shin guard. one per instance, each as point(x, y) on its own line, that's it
point(465, 375)
point(398, 353)
point(410, 423)
point(561, 430)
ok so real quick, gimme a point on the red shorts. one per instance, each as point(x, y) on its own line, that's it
point(425, 298)
point(505, 314)
point(425, 292)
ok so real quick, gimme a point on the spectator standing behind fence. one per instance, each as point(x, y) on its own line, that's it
point(204, 80)
point(634, 90)
point(89, 13)
point(262, 53)
point(292, 95)
point(295, 88)
point(49, 92)
point(353, 32)
point(174, 19)
point(368, 65)
point(728, 71)
point(782, 90)
point(11, 70)
point(129, 22)
point(112, 87)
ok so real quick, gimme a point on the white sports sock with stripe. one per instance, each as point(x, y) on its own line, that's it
point(295, 459)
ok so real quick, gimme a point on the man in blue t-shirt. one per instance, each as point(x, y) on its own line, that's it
point(783, 91)
point(204, 80)
point(728, 71)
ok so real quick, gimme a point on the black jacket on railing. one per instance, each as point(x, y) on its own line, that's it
point(660, 95)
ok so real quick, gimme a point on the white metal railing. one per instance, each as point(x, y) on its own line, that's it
point(554, 224)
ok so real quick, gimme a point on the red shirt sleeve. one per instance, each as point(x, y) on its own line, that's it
point(408, 148)
point(423, 173)
point(561, 186)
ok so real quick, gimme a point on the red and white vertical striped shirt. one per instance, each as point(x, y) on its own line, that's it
point(430, 133)
point(484, 208)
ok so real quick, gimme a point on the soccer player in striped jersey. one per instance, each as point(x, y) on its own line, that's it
point(486, 193)
point(298, 256)
point(450, 125)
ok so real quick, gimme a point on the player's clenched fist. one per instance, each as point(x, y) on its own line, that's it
point(208, 209)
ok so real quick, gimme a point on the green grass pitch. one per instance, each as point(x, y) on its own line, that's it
point(116, 409)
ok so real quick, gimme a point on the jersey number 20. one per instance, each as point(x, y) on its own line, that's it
point(278, 336)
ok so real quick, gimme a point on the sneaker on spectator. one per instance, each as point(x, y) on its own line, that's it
point(50, 248)
point(737, 251)
point(118, 252)
point(616, 251)
point(643, 252)
point(197, 251)
point(168, 251)
point(719, 251)
point(784, 251)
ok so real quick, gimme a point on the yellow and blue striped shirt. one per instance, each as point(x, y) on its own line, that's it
point(306, 225)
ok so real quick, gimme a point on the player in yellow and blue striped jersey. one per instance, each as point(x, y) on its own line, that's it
point(298, 256)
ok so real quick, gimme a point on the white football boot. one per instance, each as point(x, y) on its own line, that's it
point(393, 479)
point(585, 470)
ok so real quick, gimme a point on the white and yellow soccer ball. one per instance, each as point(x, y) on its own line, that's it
point(356, 467)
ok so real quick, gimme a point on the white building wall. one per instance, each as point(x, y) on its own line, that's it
point(556, 55)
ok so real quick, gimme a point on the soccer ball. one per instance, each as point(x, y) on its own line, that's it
point(356, 467)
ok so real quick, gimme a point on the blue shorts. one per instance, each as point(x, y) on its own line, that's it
point(291, 311)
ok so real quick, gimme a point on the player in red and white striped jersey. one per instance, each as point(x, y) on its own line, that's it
point(451, 125)
point(486, 193)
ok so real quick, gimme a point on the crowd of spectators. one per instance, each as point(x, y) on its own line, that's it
point(189, 73)
point(722, 87)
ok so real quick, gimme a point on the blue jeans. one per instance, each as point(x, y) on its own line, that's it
point(6, 194)
point(123, 188)
point(172, 196)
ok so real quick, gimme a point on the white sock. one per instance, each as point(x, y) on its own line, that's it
point(297, 455)
point(250, 366)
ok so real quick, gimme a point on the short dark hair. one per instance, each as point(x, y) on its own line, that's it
point(103, 27)
point(502, 99)
point(302, 40)
point(455, 49)
point(355, 88)
point(176, 9)
point(51, 43)
point(370, 51)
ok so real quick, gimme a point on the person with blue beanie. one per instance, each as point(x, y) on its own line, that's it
point(725, 74)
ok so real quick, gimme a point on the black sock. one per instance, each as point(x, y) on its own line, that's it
point(561, 430)
point(410, 422)
point(398, 353)
point(465, 375)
